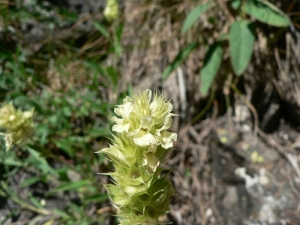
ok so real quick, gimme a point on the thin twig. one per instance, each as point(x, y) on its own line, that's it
point(251, 107)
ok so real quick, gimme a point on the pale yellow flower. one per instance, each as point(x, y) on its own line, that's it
point(141, 142)
point(18, 125)
point(146, 121)
point(111, 10)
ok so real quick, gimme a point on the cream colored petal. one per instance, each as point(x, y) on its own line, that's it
point(144, 139)
point(167, 122)
point(146, 122)
point(120, 127)
point(167, 138)
point(8, 141)
point(28, 114)
point(124, 110)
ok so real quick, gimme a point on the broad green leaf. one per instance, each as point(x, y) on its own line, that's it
point(179, 59)
point(241, 43)
point(266, 12)
point(211, 66)
point(101, 28)
point(194, 15)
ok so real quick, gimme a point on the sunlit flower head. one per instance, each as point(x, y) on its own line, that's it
point(146, 119)
point(18, 125)
point(139, 145)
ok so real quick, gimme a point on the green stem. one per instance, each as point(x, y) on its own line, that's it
point(210, 101)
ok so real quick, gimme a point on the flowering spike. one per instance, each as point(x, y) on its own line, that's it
point(17, 124)
point(141, 142)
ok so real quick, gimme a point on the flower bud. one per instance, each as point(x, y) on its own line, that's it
point(111, 11)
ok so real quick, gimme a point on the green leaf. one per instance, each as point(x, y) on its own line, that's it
point(61, 213)
point(35, 202)
point(193, 16)
point(113, 74)
point(117, 40)
point(266, 12)
point(30, 181)
point(12, 161)
point(67, 111)
point(97, 198)
point(77, 211)
point(235, 4)
point(66, 146)
point(179, 59)
point(95, 66)
point(241, 43)
point(72, 186)
point(38, 162)
point(211, 66)
point(101, 28)
point(223, 37)
point(96, 132)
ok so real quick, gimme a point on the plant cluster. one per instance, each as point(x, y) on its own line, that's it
point(240, 36)
point(45, 66)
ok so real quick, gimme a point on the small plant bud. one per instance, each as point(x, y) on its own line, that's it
point(111, 11)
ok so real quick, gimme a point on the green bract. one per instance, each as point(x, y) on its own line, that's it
point(18, 125)
point(141, 142)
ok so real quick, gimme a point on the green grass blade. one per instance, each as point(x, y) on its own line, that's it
point(72, 186)
point(101, 29)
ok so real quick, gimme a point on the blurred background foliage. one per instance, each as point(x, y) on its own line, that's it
point(53, 60)
point(72, 65)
